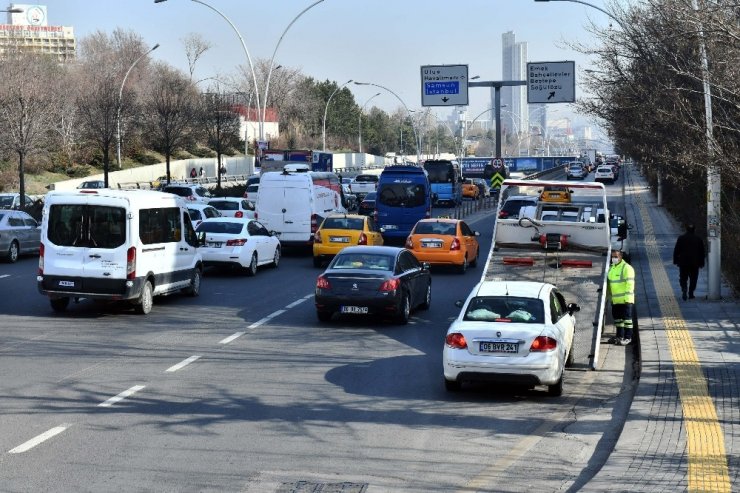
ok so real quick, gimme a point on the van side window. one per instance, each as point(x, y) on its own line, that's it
point(191, 237)
point(161, 225)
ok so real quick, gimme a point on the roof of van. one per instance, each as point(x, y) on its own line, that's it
point(403, 168)
point(126, 194)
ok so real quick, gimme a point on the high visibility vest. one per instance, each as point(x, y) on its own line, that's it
point(621, 279)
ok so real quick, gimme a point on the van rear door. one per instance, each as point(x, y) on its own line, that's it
point(297, 211)
point(105, 241)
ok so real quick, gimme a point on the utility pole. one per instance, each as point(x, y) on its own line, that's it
point(497, 85)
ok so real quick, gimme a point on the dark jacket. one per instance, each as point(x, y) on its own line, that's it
point(689, 251)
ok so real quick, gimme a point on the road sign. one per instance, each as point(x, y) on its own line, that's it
point(498, 162)
point(444, 85)
point(551, 82)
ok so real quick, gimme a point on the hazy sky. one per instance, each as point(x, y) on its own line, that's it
point(380, 41)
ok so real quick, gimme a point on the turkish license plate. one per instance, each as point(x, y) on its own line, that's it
point(431, 244)
point(215, 244)
point(359, 310)
point(390, 226)
point(66, 284)
point(554, 195)
point(499, 347)
point(339, 239)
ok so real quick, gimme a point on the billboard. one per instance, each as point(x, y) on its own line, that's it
point(32, 15)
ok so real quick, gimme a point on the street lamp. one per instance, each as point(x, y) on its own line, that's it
point(418, 143)
point(14, 10)
point(359, 122)
point(251, 66)
point(326, 109)
point(118, 108)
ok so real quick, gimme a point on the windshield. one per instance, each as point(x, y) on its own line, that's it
point(505, 309)
point(220, 227)
point(435, 228)
point(6, 201)
point(440, 171)
point(343, 223)
point(93, 226)
point(362, 261)
point(366, 179)
point(402, 195)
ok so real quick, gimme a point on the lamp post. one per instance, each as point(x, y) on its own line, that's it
point(418, 151)
point(359, 122)
point(714, 188)
point(118, 108)
point(249, 60)
point(326, 110)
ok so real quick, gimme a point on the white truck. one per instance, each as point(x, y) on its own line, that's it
point(564, 244)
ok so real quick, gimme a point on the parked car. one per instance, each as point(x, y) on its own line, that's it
point(233, 207)
point(470, 189)
point(367, 206)
point(605, 173)
point(198, 212)
point(92, 184)
point(514, 204)
point(13, 201)
point(380, 280)
point(576, 171)
point(19, 234)
point(516, 332)
point(444, 242)
point(194, 193)
point(237, 242)
point(556, 193)
point(338, 231)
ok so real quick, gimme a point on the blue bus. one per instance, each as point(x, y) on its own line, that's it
point(404, 196)
point(446, 180)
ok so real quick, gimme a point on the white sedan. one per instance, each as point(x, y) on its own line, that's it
point(604, 173)
point(233, 207)
point(238, 242)
point(514, 332)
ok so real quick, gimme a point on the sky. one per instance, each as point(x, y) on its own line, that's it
point(380, 41)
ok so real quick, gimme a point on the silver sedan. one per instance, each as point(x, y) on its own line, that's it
point(19, 234)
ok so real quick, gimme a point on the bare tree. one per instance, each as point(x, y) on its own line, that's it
point(220, 122)
point(169, 110)
point(28, 105)
point(195, 46)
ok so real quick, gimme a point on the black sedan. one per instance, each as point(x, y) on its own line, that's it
point(367, 206)
point(373, 280)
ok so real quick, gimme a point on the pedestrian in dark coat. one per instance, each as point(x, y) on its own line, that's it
point(688, 255)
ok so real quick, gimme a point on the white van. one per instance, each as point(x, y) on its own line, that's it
point(116, 245)
point(294, 203)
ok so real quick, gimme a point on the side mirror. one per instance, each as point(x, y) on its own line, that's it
point(425, 266)
point(459, 303)
point(476, 233)
point(201, 238)
point(573, 307)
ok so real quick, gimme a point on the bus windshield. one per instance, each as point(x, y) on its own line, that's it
point(402, 195)
point(441, 171)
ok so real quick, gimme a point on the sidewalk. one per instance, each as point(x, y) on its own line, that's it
point(683, 428)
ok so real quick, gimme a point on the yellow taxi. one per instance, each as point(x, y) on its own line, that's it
point(556, 193)
point(341, 230)
point(470, 189)
point(442, 241)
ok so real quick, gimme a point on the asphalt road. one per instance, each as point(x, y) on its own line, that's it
point(242, 389)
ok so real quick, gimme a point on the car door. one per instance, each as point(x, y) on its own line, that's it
point(259, 235)
point(471, 243)
point(18, 229)
point(564, 322)
point(412, 276)
point(33, 233)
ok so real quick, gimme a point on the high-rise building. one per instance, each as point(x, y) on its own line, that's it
point(514, 114)
point(29, 30)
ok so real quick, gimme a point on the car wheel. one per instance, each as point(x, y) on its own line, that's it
point(276, 258)
point(427, 298)
point(324, 316)
point(556, 389)
point(464, 266)
point(59, 304)
point(194, 288)
point(145, 301)
point(474, 263)
point(317, 262)
point(252, 269)
point(404, 311)
point(13, 251)
point(452, 385)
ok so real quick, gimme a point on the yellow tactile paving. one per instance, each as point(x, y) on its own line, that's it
point(708, 470)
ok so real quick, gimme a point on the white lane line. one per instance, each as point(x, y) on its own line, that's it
point(121, 396)
point(182, 364)
point(231, 338)
point(295, 303)
point(24, 447)
point(4, 276)
point(266, 319)
point(309, 296)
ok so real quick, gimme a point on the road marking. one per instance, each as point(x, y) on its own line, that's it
point(295, 303)
point(232, 337)
point(266, 319)
point(256, 324)
point(4, 276)
point(25, 447)
point(121, 396)
point(182, 364)
point(708, 469)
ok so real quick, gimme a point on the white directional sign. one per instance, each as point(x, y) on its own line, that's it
point(551, 82)
point(444, 85)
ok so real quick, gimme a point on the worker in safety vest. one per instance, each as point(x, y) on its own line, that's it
point(621, 285)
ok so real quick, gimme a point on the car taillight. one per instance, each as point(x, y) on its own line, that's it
point(456, 341)
point(236, 242)
point(314, 223)
point(455, 244)
point(41, 259)
point(322, 283)
point(390, 285)
point(503, 214)
point(317, 237)
point(131, 263)
point(239, 214)
point(363, 239)
point(409, 243)
point(543, 343)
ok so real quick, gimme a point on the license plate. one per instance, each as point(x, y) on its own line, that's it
point(215, 244)
point(339, 239)
point(66, 284)
point(354, 309)
point(431, 244)
point(390, 226)
point(555, 195)
point(499, 347)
